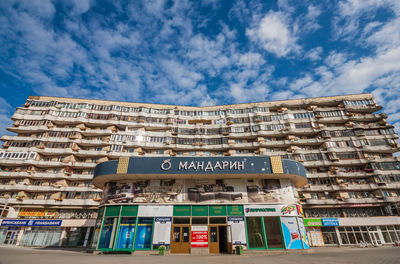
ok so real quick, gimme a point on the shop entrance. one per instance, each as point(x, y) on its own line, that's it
point(11, 237)
point(180, 241)
point(219, 239)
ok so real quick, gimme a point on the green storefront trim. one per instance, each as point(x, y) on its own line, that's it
point(217, 210)
point(199, 210)
point(112, 210)
point(129, 210)
point(317, 222)
point(235, 210)
point(182, 210)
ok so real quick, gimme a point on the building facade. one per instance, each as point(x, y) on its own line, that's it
point(344, 142)
point(200, 204)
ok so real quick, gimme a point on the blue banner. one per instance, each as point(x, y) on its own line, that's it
point(143, 237)
point(14, 222)
point(330, 222)
point(25, 222)
point(45, 223)
point(163, 219)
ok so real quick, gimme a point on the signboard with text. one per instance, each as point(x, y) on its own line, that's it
point(199, 236)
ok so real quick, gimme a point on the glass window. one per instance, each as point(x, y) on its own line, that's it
point(199, 220)
point(144, 233)
point(255, 232)
point(126, 233)
point(214, 234)
point(107, 234)
point(273, 232)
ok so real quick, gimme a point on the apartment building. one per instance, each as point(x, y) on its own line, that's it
point(344, 142)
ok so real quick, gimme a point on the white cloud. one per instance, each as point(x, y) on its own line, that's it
point(273, 34)
point(314, 54)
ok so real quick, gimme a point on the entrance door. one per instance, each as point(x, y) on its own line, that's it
point(218, 239)
point(180, 241)
point(11, 238)
point(213, 242)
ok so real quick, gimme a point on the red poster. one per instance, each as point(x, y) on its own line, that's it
point(199, 239)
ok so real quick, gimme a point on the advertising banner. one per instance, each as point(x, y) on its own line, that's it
point(126, 233)
point(238, 230)
point(144, 231)
point(162, 230)
point(150, 210)
point(206, 191)
point(330, 221)
point(36, 212)
point(312, 222)
point(303, 233)
point(291, 233)
point(270, 210)
point(199, 236)
point(24, 222)
point(315, 236)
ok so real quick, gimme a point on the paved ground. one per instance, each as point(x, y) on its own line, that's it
point(388, 255)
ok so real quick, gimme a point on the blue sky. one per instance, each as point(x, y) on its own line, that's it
point(199, 52)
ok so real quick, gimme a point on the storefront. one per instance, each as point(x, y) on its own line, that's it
point(353, 231)
point(205, 205)
point(208, 228)
point(46, 232)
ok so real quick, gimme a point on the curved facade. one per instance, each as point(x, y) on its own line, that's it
point(226, 201)
point(345, 144)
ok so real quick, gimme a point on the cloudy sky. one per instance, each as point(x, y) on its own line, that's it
point(199, 52)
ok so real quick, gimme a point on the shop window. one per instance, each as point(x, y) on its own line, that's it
point(126, 233)
point(144, 233)
point(181, 220)
point(107, 234)
point(255, 232)
point(273, 232)
point(217, 220)
point(199, 220)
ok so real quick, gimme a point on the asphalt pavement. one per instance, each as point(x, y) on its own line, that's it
point(17, 255)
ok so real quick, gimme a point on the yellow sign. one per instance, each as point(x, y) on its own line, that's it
point(37, 212)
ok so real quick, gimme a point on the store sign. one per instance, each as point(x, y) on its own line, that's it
point(45, 223)
point(14, 222)
point(270, 210)
point(196, 165)
point(199, 236)
point(330, 222)
point(150, 210)
point(19, 222)
point(162, 230)
point(238, 230)
point(36, 212)
point(235, 210)
point(312, 222)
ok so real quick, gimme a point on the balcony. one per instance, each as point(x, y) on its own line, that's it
point(391, 199)
point(380, 149)
point(51, 202)
point(363, 108)
point(321, 202)
point(360, 200)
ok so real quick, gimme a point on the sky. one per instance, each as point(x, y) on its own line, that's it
point(200, 52)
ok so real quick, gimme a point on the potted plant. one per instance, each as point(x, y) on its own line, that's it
point(161, 251)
